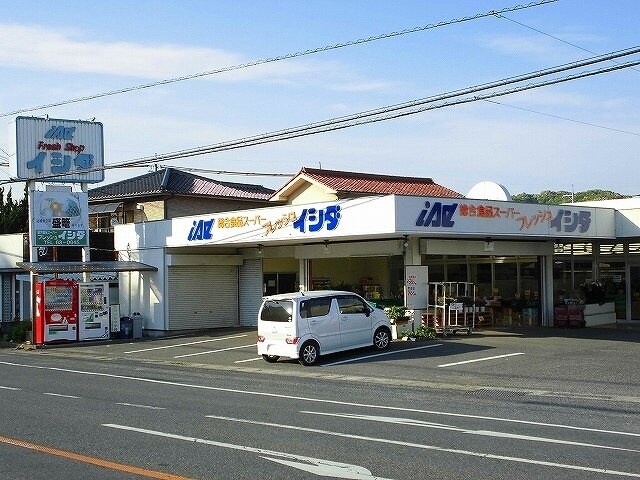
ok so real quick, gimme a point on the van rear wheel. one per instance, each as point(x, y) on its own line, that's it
point(271, 358)
point(309, 353)
point(381, 338)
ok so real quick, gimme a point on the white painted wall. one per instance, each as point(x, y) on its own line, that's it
point(10, 250)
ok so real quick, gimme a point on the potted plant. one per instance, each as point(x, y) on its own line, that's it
point(397, 314)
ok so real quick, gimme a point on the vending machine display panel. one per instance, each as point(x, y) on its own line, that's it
point(93, 311)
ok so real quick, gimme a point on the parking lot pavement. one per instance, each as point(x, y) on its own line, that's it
point(584, 361)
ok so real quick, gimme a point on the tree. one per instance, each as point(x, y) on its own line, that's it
point(14, 215)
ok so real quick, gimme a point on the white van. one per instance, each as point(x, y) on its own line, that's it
point(304, 325)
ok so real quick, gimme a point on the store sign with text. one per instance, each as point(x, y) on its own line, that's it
point(501, 217)
point(60, 219)
point(267, 223)
point(55, 150)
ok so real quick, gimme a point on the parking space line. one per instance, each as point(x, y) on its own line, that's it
point(381, 354)
point(59, 395)
point(215, 351)
point(186, 344)
point(481, 359)
point(249, 360)
point(151, 407)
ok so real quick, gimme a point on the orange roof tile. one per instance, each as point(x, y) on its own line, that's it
point(354, 182)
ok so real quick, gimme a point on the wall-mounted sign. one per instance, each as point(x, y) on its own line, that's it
point(270, 222)
point(55, 150)
point(441, 214)
point(60, 218)
point(462, 216)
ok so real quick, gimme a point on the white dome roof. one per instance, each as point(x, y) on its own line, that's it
point(489, 191)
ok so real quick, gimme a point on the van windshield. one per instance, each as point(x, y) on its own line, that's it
point(277, 311)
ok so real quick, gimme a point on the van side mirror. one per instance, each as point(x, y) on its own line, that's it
point(368, 311)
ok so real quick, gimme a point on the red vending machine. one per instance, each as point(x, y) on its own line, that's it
point(56, 311)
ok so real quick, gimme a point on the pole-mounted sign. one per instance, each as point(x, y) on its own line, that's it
point(54, 150)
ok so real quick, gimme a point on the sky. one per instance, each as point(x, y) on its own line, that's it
point(573, 136)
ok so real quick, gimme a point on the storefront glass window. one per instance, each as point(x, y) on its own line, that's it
point(436, 267)
point(436, 272)
point(582, 272)
point(530, 279)
point(506, 282)
point(456, 272)
point(481, 276)
point(635, 292)
point(612, 276)
point(562, 286)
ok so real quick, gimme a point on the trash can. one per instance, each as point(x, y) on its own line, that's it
point(137, 324)
point(126, 327)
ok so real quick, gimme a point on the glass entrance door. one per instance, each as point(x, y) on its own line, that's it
point(634, 283)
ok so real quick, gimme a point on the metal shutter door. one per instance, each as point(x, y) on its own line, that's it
point(250, 292)
point(203, 297)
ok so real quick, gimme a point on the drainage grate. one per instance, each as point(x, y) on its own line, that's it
point(491, 392)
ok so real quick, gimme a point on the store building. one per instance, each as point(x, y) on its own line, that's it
point(358, 232)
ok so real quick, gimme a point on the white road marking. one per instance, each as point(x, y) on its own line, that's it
point(326, 468)
point(318, 400)
point(140, 406)
point(456, 451)
point(10, 388)
point(481, 359)
point(59, 395)
point(215, 351)
point(486, 433)
point(185, 344)
point(380, 354)
point(248, 360)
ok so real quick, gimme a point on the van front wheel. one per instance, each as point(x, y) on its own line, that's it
point(270, 358)
point(381, 338)
point(309, 353)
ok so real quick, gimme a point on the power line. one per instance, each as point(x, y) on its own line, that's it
point(468, 95)
point(287, 56)
point(565, 118)
point(541, 32)
point(553, 37)
point(254, 140)
point(228, 172)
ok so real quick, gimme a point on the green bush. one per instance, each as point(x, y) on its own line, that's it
point(19, 332)
point(421, 332)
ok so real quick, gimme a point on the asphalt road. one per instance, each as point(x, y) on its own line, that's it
point(522, 405)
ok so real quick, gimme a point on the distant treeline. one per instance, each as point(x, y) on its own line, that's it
point(555, 198)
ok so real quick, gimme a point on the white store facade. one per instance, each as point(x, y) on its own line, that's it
point(214, 269)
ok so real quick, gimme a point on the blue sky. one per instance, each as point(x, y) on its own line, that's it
point(64, 50)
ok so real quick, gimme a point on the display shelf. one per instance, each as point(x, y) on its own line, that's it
point(371, 292)
point(451, 307)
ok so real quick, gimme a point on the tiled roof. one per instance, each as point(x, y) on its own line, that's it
point(353, 182)
point(176, 182)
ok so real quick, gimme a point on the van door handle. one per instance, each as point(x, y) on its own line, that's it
point(313, 322)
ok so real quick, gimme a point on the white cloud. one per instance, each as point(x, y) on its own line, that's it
point(39, 48)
